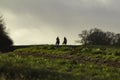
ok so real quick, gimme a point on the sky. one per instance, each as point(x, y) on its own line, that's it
point(41, 21)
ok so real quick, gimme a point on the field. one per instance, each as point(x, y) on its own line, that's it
point(50, 62)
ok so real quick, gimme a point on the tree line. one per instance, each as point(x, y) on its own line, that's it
point(96, 36)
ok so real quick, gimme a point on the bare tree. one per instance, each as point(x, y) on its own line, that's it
point(84, 36)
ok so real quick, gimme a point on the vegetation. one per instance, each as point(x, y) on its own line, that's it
point(5, 41)
point(98, 37)
point(49, 62)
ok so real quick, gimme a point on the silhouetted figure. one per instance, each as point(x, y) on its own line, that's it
point(57, 41)
point(65, 41)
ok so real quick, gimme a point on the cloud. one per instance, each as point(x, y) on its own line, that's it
point(57, 18)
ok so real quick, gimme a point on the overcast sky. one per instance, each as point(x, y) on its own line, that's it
point(41, 21)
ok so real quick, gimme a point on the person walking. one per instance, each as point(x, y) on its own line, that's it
point(57, 41)
point(65, 41)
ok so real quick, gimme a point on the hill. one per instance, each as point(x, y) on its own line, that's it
point(70, 62)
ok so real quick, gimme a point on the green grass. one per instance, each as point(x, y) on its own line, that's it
point(51, 63)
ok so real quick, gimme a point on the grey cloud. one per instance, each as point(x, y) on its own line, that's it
point(61, 11)
point(63, 16)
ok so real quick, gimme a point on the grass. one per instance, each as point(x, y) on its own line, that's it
point(61, 63)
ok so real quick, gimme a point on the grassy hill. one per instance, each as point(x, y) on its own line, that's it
point(50, 62)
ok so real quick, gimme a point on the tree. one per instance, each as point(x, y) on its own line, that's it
point(84, 37)
point(117, 39)
point(99, 37)
point(5, 40)
point(110, 38)
point(96, 37)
